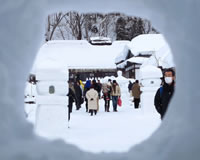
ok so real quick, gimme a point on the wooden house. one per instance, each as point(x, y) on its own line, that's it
point(144, 49)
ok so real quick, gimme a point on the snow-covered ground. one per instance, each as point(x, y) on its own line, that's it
point(105, 132)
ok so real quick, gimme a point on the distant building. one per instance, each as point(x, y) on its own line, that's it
point(93, 73)
point(146, 49)
point(82, 59)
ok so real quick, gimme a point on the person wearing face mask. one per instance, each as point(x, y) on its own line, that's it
point(165, 92)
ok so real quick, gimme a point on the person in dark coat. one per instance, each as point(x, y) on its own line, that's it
point(78, 93)
point(86, 88)
point(72, 97)
point(99, 88)
point(165, 92)
point(95, 85)
point(130, 85)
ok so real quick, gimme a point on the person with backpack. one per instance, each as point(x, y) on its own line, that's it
point(136, 94)
point(165, 92)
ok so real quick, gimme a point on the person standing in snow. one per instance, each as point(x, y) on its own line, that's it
point(106, 90)
point(116, 93)
point(165, 92)
point(86, 88)
point(95, 85)
point(81, 85)
point(71, 96)
point(78, 93)
point(92, 96)
point(99, 88)
point(136, 94)
point(130, 85)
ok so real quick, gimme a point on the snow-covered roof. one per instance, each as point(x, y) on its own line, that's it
point(146, 44)
point(163, 57)
point(139, 60)
point(122, 55)
point(76, 54)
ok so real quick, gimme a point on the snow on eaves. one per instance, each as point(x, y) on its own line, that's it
point(122, 55)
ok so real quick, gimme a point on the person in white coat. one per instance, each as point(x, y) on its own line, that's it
point(93, 100)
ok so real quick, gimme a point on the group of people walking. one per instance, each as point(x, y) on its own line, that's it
point(90, 92)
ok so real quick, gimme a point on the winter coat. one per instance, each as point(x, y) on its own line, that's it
point(162, 98)
point(136, 91)
point(116, 92)
point(78, 93)
point(130, 85)
point(71, 96)
point(106, 88)
point(93, 102)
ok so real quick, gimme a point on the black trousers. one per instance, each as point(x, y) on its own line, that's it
point(86, 104)
point(106, 98)
point(93, 110)
point(136, 102)
point(70, 109)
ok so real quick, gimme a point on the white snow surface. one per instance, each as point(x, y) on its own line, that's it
point(76, 54)
point(22, 31)
point(100, 133)
point(146, 44)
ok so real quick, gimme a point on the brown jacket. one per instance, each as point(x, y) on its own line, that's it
point(136, 90)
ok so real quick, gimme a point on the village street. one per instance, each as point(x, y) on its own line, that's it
point(107, 131)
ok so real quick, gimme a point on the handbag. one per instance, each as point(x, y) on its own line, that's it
point(119, 102)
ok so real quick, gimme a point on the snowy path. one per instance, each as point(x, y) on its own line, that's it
point(107, 131)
